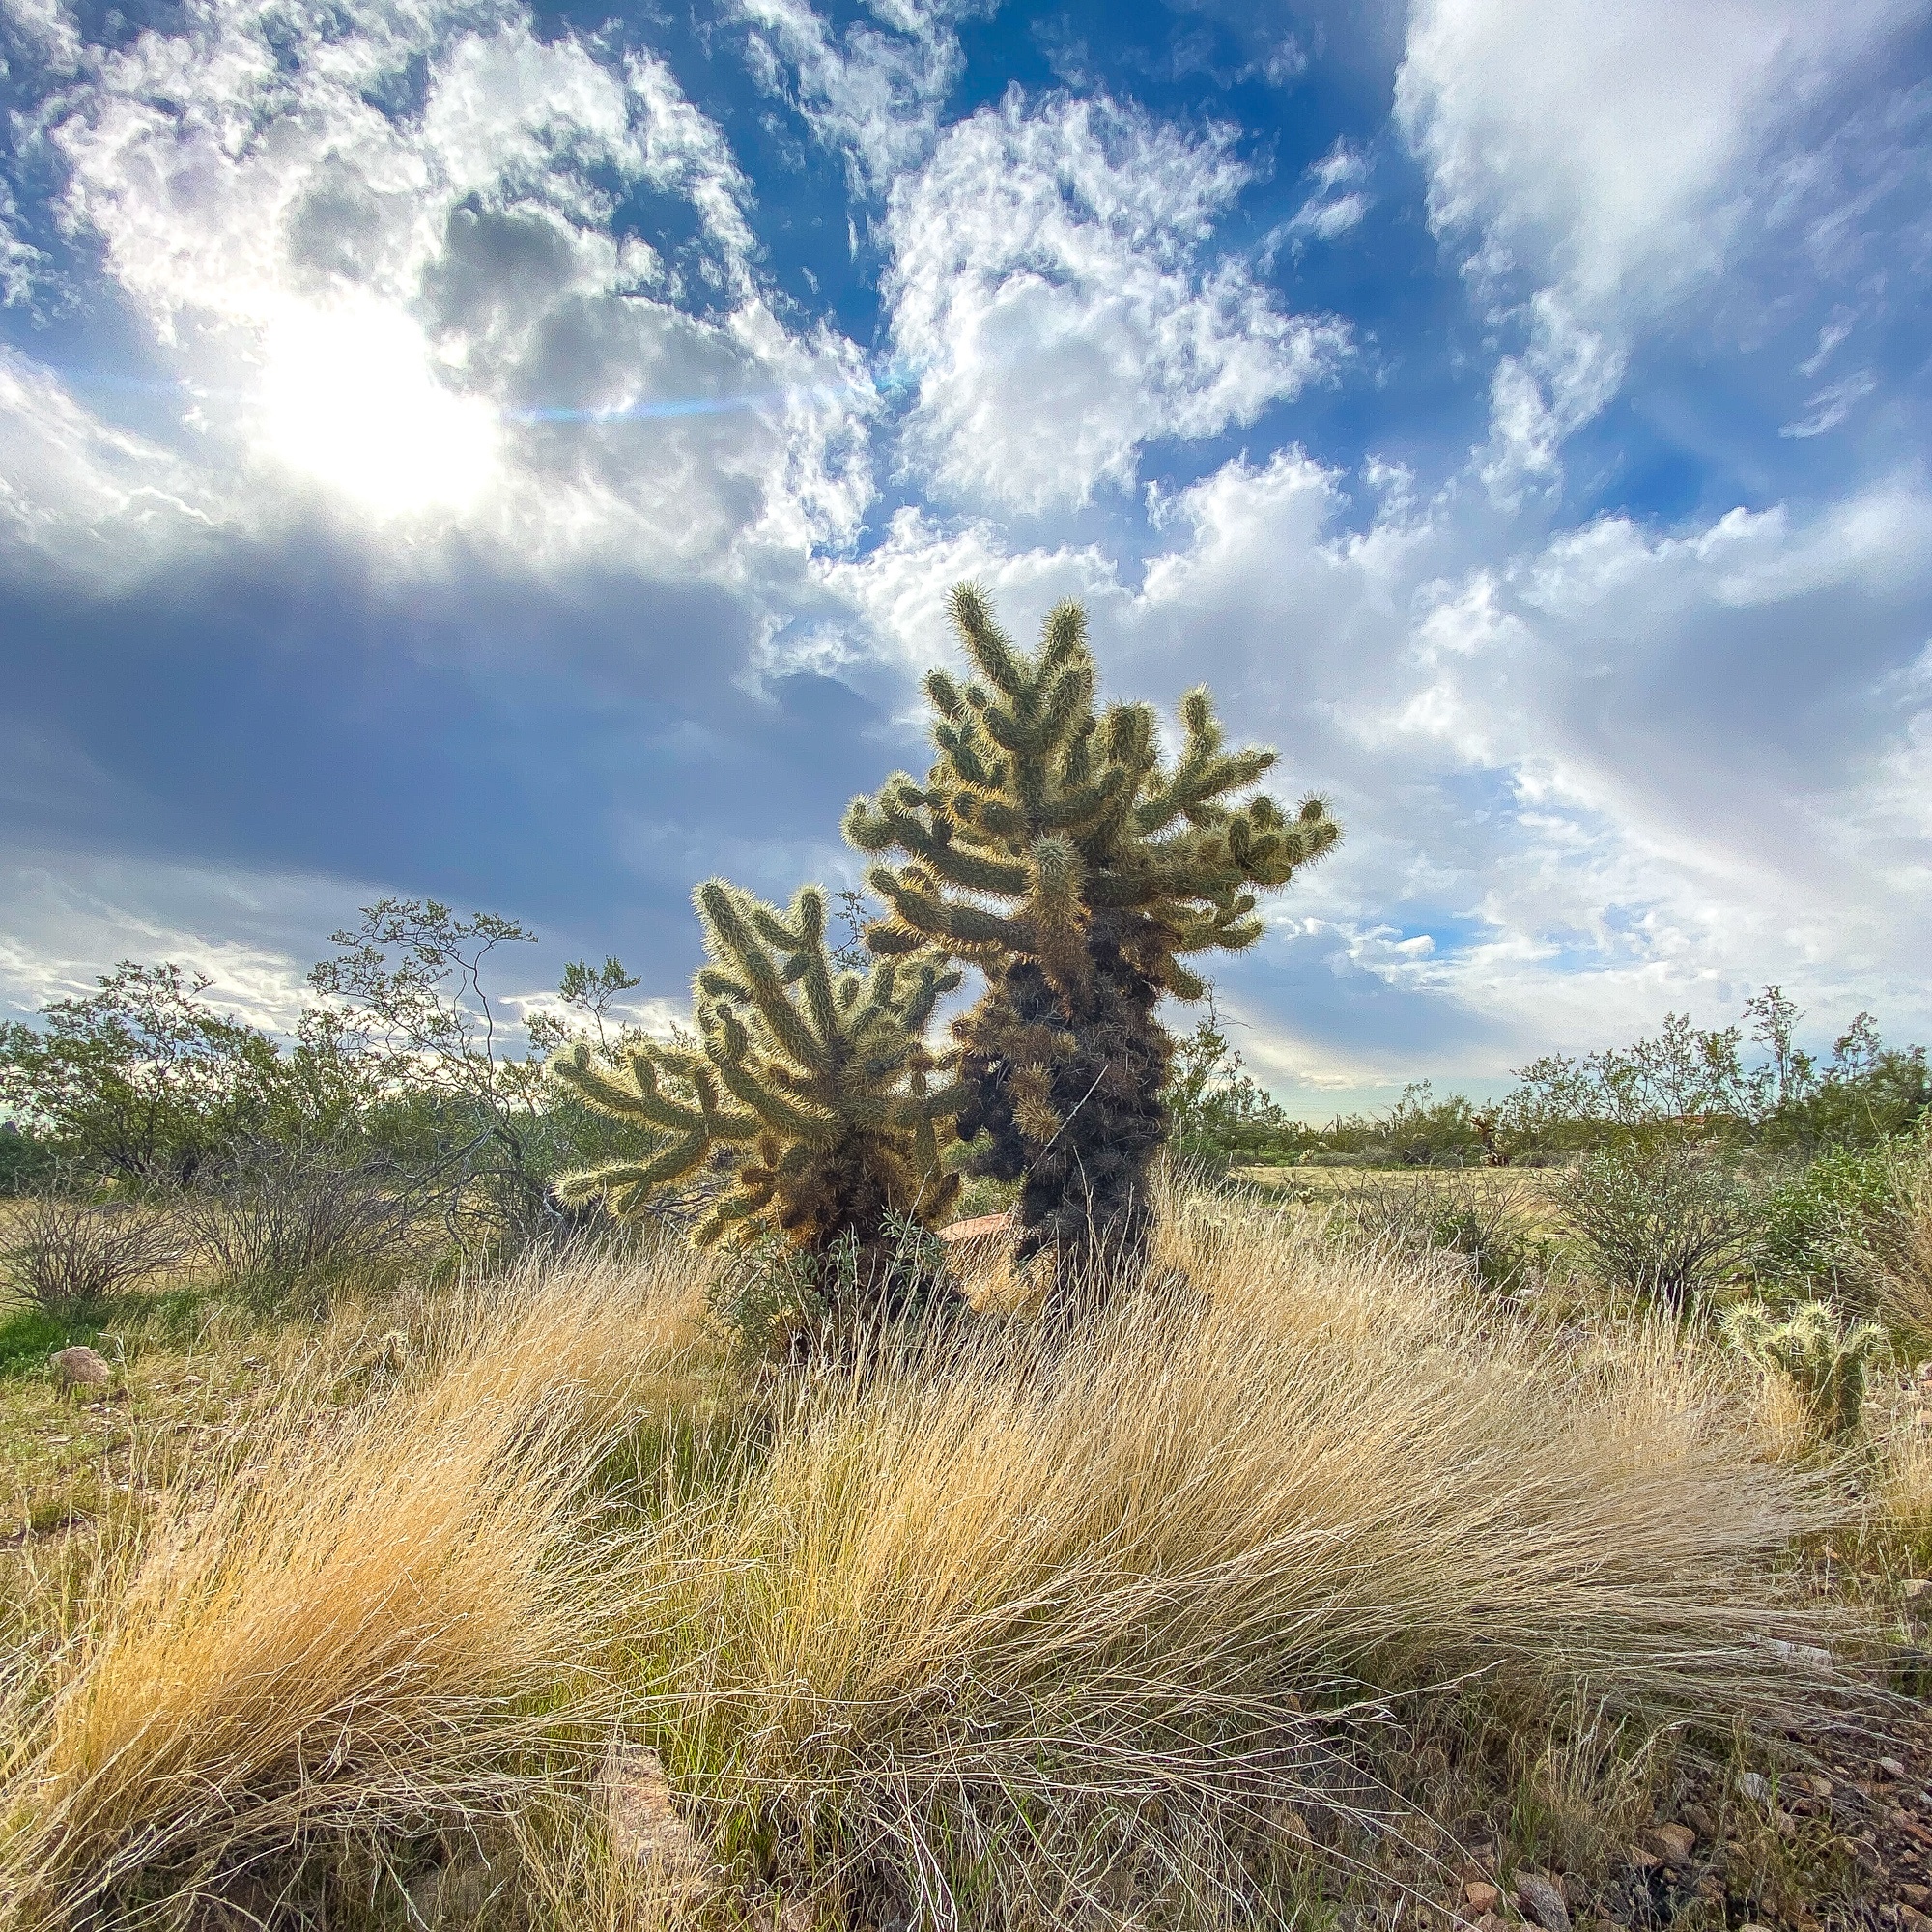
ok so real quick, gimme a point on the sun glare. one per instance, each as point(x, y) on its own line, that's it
point(351, 398)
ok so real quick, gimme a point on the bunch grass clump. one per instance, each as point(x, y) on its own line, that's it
point(380, 1619)
point(990, 1627)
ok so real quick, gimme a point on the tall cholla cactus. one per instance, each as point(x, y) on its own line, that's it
point(1052, 847)
point(1825, 1362)
point(820, 1084)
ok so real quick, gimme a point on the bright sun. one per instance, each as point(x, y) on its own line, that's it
point(351, 398)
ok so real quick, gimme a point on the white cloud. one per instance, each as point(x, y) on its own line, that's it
point(1831, 406)
point(1619, 156)
point(1610, 145)
point(421, 313)
point(1053, 288)
point(874, 92)
point(1338, 202)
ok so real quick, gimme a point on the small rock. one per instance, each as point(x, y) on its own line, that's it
point(1755, 1786)
point(1576, 1894)
point(1891, 1768)
point(1640, 1859)
point(1493, 1922)
point(1750, 1925)
point(1820, 1787)
point(1911, 1588)
point(1481, 1897)
point(1912, 1919)
point(1296, 1827)
point(1673, 1843)
point(1915, 1894)
point(643, 1822)
point(1542, 1902)
point(1699, 1820)
point(80, 1366)
point(1783, 1822)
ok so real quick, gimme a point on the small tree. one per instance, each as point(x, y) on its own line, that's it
point(1052, 847)
point(142, 1078)
point(409, 1004)
point(1658, 1217)
point(814, 1087)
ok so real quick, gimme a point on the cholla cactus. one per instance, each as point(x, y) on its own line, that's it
point(1825, 1362)
point(1052, 847)
point(817, 1087)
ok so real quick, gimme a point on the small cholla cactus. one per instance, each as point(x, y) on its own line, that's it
point(1054, 847)
point(815, 1085)
point(1826, 1361)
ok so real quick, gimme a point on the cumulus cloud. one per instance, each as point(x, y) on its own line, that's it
point(1053, 286)
point(1617, 158)
point(379, 248)
point(1608, 773)
point(873, 90)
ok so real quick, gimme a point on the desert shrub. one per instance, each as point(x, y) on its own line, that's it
point(350, 1636)
point(73, 1258)
point(1820, 1225)
point(979, 1636)
point(780, 1303)
point(1825, 1360)
point(1898, 1264)
point(1491, 1226)
point(289, 1225)
point(1658, 1217)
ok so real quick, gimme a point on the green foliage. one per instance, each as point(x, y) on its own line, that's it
point(1418, 1131)
point(1658, 1217)
point(1703, 1079)
point(1052, 847)
point(1825, 1362)
point(142, 1078)
point(27, 1159)
point(813, 1086)
point(777, 1300)
point(1821, 1222)
point(1219, 1116)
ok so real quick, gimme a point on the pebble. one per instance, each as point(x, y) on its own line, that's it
point(78, 1365)
point(1755, 1786)
point(1673, 1842)
point(1893, 1768)
point(1542, 1902)
point(1480, 1896)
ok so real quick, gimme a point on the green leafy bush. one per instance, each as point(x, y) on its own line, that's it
point(1820, 1226)
point(1658, 1217)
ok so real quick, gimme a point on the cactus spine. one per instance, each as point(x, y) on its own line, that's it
point(815, 1086)
point(1827, 1364)
point(1052, 847)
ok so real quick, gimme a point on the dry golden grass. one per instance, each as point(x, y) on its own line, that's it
point(380, 1614)
point(985, 1630)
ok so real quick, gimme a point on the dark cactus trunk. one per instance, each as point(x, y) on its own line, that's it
point(1084, 1185)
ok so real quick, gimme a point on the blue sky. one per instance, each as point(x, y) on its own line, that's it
point(519, 455)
